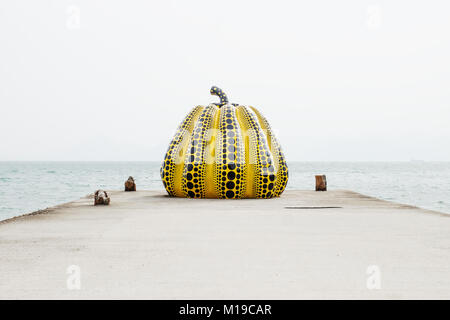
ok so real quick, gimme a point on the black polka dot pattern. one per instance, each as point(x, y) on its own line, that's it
point(193, 183)
point(172, 155)
point(230, 172)
point(279, 160)
point(224, 151)
point(260, 157)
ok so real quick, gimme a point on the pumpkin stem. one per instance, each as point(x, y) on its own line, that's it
point(215, 91)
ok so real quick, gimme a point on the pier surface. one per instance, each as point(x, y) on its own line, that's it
point(303, 245)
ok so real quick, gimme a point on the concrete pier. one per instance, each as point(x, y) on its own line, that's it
point(303, 245)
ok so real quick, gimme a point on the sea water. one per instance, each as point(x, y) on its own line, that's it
point(31, 186)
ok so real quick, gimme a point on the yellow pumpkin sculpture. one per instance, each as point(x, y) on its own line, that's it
point(224, 151)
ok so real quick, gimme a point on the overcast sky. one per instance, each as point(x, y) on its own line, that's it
point(337, 80)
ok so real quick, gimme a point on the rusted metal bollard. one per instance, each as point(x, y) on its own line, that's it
point(321, 183)
point(101, 197)
point(130, 185)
